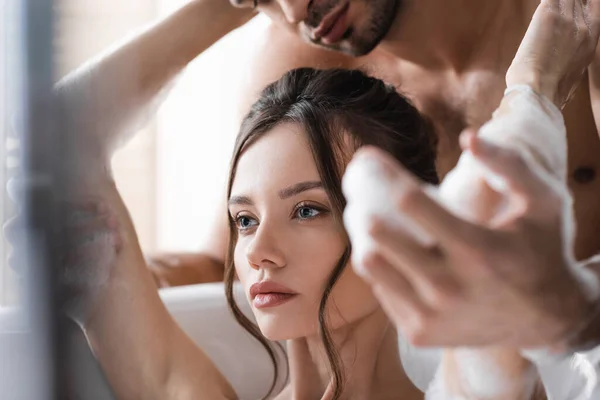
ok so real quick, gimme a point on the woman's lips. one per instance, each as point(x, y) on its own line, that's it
point(265, 300)
point(270, 294)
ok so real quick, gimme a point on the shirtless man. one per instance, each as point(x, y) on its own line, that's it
point(454, 74)
point(450, 56)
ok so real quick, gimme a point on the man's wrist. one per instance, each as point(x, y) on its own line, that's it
point(587, 335)
point(542, 87)
point(583, 335)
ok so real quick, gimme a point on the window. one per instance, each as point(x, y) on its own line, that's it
point(172, 173)
point(83, 29)
point(3, 130)
point(196, 129)
point(9, 81)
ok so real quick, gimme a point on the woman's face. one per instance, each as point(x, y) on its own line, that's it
point(288, 240)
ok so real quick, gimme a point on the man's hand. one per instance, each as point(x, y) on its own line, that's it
point(557, 48)
point(180, 269)
point(509, 284)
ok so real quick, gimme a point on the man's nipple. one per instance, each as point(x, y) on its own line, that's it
point(584, 174)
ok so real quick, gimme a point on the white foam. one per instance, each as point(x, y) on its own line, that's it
point(532, 126)
point(369, 195)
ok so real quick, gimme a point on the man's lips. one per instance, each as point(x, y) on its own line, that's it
point(332, 27)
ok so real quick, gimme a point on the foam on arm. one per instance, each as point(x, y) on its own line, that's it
point(525, 122)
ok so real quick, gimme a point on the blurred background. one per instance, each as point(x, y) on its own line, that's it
point(171, 177)
point(172, 173)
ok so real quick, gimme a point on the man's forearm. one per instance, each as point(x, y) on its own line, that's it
point(180, 269)
point(111, 95)
point(587, 335)
point(594, 86)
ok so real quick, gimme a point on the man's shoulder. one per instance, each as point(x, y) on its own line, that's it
point(288, 50)
point(277, 51)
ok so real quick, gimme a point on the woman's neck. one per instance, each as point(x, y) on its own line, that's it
point(368, 351)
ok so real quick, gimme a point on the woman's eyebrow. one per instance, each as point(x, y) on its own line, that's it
point(283, 194)
point(240, 200)
point(299, 188)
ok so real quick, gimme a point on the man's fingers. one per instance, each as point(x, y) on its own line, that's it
point(566, 7)
point(578, 13)
point(389, 166)
point(393, 290)
point(521, 176)
point(592, 17)
point(421, 266)
point(414, 204)
point(553, 5)
point(450, 230)
point(399, 247)
point(401, 315)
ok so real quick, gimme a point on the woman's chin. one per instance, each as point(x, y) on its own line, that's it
point(276, 329)
point(275, 336)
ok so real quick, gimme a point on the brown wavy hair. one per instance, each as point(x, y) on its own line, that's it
point(332, 106)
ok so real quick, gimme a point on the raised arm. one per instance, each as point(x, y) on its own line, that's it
point(109, 292)
point(105, 282)
point(109, 96)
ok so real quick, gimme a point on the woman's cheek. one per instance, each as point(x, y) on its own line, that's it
point(320, 251)
point(240, 261)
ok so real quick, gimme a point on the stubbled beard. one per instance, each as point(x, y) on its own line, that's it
point(318, 12)
point(382, 18)
point(357, 42)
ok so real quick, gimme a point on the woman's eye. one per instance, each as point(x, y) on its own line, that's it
point(245, 222)
point(307, 212)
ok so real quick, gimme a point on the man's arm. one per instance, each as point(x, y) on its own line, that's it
point(278, 51)
point(180, 269)
point(109, 96)
point(594, 84)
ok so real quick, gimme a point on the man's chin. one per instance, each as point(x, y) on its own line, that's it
point(348, 48)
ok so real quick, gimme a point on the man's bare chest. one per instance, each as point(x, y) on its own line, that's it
point(451, 103)
point(454, 104)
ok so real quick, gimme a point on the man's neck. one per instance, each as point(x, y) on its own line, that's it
point(450, 34)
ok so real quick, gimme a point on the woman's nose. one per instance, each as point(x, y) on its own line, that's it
point(264, 251)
